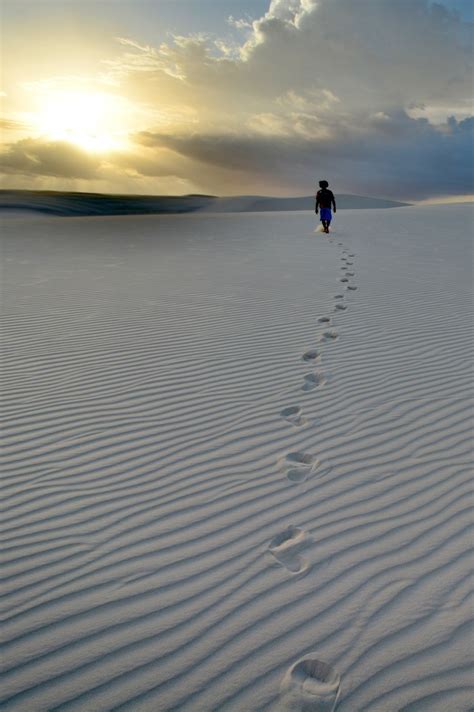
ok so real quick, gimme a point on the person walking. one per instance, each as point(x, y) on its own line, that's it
point(324, 201)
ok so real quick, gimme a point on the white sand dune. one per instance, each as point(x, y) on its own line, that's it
point(233, 480)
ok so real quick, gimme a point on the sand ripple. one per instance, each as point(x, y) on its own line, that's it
point(214, 500)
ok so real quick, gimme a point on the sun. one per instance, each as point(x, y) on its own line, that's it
point(94, 121)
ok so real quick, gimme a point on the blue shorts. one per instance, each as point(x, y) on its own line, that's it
point(326, 214)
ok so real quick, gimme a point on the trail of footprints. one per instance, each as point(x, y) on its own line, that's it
point(300, 466)
point(316, 379)
point(309, 683)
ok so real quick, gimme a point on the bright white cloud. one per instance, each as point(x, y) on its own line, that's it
point(372, 55)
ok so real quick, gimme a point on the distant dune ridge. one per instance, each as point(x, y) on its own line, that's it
point(82, 204)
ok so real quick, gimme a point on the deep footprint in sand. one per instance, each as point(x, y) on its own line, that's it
point(313, 380)
point(297, 475)
point(311, 355)
point(285, 548)
point(302, 458)
point(352, 287)
point(338, 296)
point(301, 466)
point(310, 685)
point(301, 474)
point(329, 336)
point(350, 274)
point(324, 320)
point(344, 279)
point(340, 307)
point(293, 415)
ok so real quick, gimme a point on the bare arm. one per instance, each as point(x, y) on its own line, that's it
point(317, 204)
point(333, 202)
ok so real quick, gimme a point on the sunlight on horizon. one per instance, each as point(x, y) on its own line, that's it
point(94, 121)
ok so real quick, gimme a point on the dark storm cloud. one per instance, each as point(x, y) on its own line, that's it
point(410, 158)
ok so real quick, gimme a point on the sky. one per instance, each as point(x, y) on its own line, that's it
point(229, 97)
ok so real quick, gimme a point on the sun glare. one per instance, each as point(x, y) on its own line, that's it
point(92, 121)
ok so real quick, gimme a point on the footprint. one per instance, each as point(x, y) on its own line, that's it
point(350, 254)
point(285, 548)
point(341, 307)
point(324, 319)
point(343, 269)
point(313, 380)
point(310, 685)
point(350, 274)
point(344, 279)
point(329, 336)
point(351, 286)
point(305, 465)
point(302, 458)
point(338, 296)
point(311, 355)
point(293, 415)
point(297, 475)
point(349, 263)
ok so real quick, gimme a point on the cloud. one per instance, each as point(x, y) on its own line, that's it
point(35, 157)
point(359, 92)
point(370, 53)
point(11, 125)
point(398, 156)
point(324, 86)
